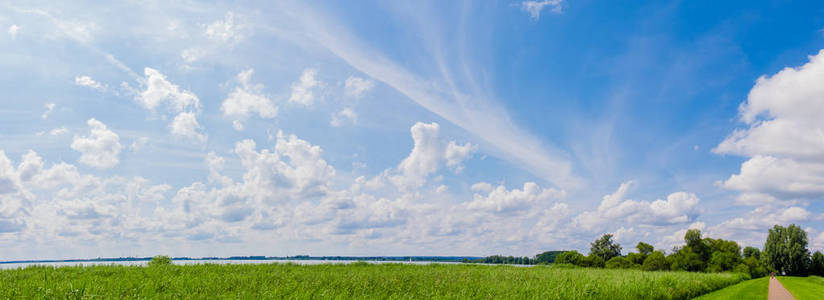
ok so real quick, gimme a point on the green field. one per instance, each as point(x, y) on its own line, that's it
point(360, 280)
point(804, 288)
point(750, 289)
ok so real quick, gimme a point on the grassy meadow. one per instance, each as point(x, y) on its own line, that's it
point(755, 289)
point(359, 280)
point(804, 288)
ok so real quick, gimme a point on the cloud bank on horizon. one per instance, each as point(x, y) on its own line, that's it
point(428, 129)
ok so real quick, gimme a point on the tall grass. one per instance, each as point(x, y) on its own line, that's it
point(383, 281)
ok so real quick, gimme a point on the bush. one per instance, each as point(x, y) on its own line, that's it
point(655, 262)
point(619, 263)
point(570, 257)
point(160, 260)
point(593, 261)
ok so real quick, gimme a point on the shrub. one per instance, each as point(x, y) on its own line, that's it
point(160, 260)
point(570, 257)
point(593, 261)
point(619, 263)
point(655, 262)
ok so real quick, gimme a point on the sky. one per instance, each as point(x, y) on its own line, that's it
point(405, 127)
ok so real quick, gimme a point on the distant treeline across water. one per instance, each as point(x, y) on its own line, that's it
point(274, 258)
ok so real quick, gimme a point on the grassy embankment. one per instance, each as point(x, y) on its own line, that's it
point(804, 288)
point(356, 281)
point(751, 289)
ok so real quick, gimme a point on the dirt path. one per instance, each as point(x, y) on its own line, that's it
point(778, 292)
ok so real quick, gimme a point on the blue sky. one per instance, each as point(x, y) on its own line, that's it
point(420, 128)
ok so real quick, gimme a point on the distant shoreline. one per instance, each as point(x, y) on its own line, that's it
point(272, 258)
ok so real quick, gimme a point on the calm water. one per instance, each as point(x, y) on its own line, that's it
point(192, 262)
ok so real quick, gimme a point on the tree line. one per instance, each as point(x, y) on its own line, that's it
point(785, 252)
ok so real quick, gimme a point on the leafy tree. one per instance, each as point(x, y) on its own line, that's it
point(160, 260)
point(725, 255)
point(593, 261)
point(605, 248)
point(698, 245)
point(636, 258)
point(644, 249)
point(752, 252)
point(619, 263)
point(570, 257)
point(817, 264)
point(756, 268)
point(786, 250)
point(742, 268)
point(685, 259)
point(547, 257)
point(655, 262)
point(723, 261)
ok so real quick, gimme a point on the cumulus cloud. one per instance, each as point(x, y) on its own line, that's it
point(678, 208)
point(356, 86)
point(303, 90)
point(783, 139)
point(507, 202)
point(100, 149)
point(49, 108)
point(58, 131)
point(225, 30)
point(534, 8)
point(88, 82)
point(160, 91)
point(220, 35)
point(751, 229)
point(185, 125)
point(428, 154)
point(247, 99)
point(343, 117)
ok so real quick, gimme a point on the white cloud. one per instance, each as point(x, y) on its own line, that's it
point(225, 30)
point(49, 108)
point(343, 117)
point(13, 29)
point(534, 8)
point(751, 229)
point(784, 139)
point(247, 99)
point(678, 208)
point(185, 125)
point(88, 82)
point(58, 131)
point(303, 89)
point(428, 154)
point(506, 202)
point(459, 100)
point(356, 86)
point(159, 91)
point(100, 149)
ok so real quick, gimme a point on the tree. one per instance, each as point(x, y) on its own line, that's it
point(725, 255)
point(636, 258)
point(160, 260)
point(698, 245)
point(752, 252)
point(605, 248)
point(786, 250)
point(756, 268)
point(547, 257)
point(655, 262)
point(644, 249)
point(817, 264)
point(593, 261)
point(619, 263)
point(570, 257)
point(685, 259)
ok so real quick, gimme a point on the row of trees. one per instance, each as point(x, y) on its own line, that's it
point(547, 257)
point(785, 252)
